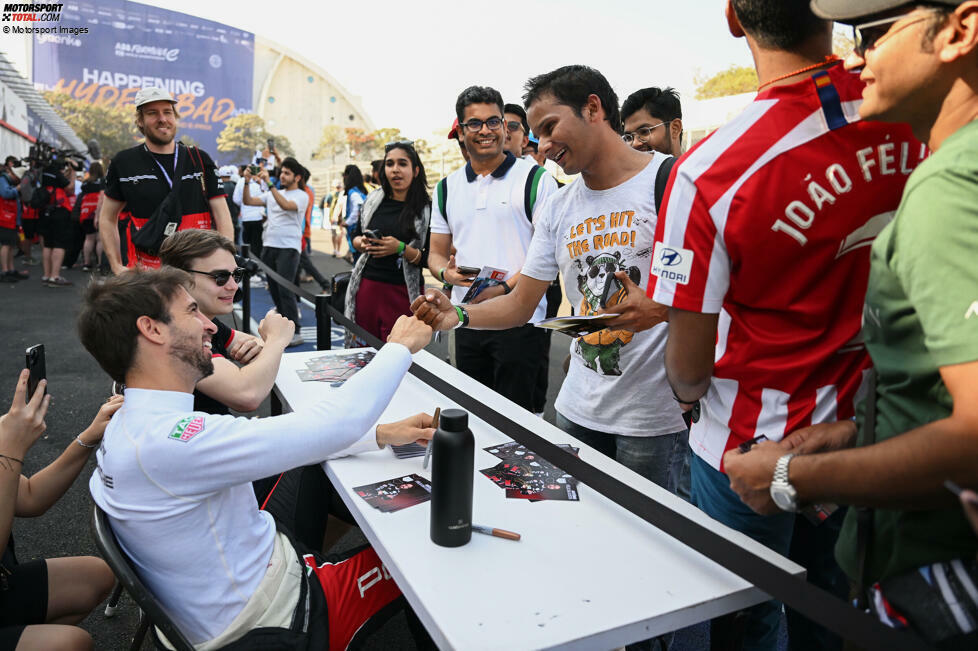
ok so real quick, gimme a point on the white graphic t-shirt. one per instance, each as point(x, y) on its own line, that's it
point(617, 378)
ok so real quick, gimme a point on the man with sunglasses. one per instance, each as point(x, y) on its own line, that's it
point(485, 211)
point(917, 559)
point(209, 258)
point(762, 255)
point(653, 119)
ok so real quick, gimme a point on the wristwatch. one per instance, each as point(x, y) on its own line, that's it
point(782, 492)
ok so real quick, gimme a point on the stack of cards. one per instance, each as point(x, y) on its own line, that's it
point(525, 475)
point(408, 450)
point(396, 494)
point(335, 369)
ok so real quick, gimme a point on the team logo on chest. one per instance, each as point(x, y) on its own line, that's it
point(187, 428)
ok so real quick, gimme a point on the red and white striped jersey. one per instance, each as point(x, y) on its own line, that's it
point(768, 222)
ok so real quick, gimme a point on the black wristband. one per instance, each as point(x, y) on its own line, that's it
point(506, 288)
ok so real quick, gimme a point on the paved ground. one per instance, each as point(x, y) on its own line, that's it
point(29, 314)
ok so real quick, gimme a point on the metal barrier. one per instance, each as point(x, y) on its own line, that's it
point(324, 325)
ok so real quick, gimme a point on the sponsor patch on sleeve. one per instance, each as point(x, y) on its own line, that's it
point(670, 263)
point(187, 428)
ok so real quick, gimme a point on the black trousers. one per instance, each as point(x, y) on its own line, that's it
point(285, 262)
point(554, 297)
point(506, 361)
point(305, 264)
point(251, 235)
point(302, 499)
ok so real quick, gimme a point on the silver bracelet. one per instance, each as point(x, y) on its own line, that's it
point(85, 445)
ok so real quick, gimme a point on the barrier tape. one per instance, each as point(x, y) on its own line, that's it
point(287, 284)
point(813, 602)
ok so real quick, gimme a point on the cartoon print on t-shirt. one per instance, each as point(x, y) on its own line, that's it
point(599, 288)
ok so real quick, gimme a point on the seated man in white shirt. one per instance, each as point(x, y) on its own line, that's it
point(175, 483)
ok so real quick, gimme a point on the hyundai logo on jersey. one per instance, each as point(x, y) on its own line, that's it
point(670, 257)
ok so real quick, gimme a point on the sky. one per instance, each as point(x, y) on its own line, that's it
point(409, 60)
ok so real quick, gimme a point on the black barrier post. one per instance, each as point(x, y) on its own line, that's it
point(324, 329)
point(246, 293)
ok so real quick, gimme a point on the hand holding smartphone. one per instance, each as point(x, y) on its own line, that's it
point(35, 364)
point(468, 271)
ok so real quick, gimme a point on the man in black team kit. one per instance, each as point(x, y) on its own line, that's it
point(140, 178)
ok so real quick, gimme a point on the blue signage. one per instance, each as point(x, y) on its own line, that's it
point(206, 66)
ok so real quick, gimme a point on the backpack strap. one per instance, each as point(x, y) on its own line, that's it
point(661, 179)
point(442, 191)
point(530, 191)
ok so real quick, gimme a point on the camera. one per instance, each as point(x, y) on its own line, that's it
point(250, 266)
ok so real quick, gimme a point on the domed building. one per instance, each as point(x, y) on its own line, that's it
point(280, 77)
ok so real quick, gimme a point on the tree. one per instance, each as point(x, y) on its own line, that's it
point(422, 147)
point(842, 43)
point(732, 81)
point(332, 142)
point(242, 135)
point(114, 128)
point(384, 136)
point(282, 145)
point(360, 143)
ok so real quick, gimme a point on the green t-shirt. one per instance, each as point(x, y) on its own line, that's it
point(921, 313)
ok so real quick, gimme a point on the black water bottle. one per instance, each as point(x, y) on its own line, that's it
point(452, 458)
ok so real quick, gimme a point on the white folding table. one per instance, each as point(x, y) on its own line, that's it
point(586, 574)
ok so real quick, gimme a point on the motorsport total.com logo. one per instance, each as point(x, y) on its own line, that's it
point(32, 12)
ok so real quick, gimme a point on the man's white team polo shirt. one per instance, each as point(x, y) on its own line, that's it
point(487, 218)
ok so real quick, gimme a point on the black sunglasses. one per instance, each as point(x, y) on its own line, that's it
point(221, 277)
point(408, 144)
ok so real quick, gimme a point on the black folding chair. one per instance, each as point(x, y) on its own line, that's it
point(151, 613)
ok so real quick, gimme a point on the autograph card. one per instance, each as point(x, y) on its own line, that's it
point(397, 493)
point(525, 475)
point(335, 369)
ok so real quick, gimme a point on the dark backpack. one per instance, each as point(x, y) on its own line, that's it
point(661, 179)
point(533, 182)
point(529, 193)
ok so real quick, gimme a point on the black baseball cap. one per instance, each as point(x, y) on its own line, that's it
point(847, 11)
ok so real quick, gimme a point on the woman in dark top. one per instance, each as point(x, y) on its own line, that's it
point(393, 233)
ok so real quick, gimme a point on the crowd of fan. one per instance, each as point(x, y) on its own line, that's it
point(787, 316)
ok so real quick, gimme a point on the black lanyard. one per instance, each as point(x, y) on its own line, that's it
point(176, 157)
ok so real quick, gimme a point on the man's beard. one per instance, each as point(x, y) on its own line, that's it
point(156, 141)
point(196, 359)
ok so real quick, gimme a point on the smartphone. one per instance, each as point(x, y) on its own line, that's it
point(254, 169)
point(35, 364)
point(468, 271)
point(611, 287)
point(271, 144)
point(371, 234)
